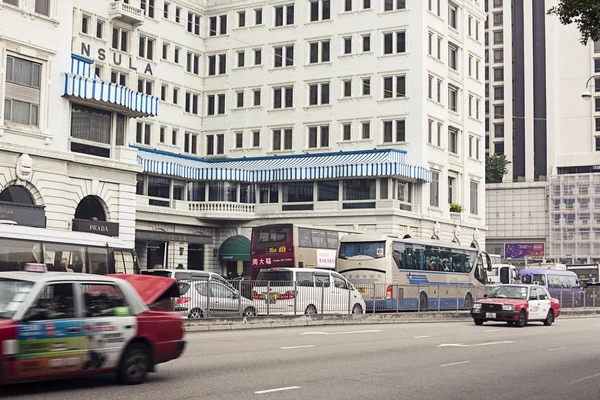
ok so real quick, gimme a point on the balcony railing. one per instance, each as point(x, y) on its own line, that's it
point(222, 207)
point(126, 13)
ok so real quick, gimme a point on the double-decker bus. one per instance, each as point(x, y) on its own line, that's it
point(64, 251)
point(412, 274)
point(294, 246)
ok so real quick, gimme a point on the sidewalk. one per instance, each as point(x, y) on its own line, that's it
point(204, 325)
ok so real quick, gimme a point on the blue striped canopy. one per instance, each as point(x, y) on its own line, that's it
point(349, 164)
point(83, 83)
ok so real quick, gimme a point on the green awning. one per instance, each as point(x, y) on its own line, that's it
point(235, 248)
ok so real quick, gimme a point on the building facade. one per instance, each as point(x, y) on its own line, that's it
point(537, 70)
point(191, 122)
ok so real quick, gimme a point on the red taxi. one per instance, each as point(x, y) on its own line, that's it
point(516, 305)
point(57, 325)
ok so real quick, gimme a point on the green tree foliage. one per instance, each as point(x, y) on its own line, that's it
point(495, 168)
point(584, 13)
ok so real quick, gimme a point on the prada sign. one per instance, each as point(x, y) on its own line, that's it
point(98, 227)
point(23, 214)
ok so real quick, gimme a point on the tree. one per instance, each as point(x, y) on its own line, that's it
point(584, 13)
point(495, 168)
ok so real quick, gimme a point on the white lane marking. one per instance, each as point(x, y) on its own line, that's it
point(493, 330)
point(454, 363)
point(474, 345)
point(422, 337)
point(584, 379)
point(558, 349)
point(277, 390)
point(340, 333)
point(297, 347)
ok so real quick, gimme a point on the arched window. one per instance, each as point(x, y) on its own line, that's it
point(406, 237)
point(90, 208)
point(16, 194)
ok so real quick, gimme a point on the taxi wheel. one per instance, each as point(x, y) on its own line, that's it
point(522, 319)
point(478, 321)
point(135, 364)
point(550, 318)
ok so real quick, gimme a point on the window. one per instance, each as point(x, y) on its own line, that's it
point(283, 97)
point(241, 19)
point(347, 5)
point(366, 43)
point(145, 86)
point(175, 95)
point(257, 56)
point(163, 92)
point(347, 45)
point(42, 7)
point(319, 51)
point(430, 44)
point(434, 190)
point(284, 15)
point(499, 130)
point(165, 51)
point(453, 140)
point(453, 98)
point(85, 24)
point(282, 139)
point(174, 134)
point(451, 188)
point(318, 136)
point(146, 48)
point(498, 74)
point(256, 138)
point(439, 48)
point(161, 135)
point(430, 132)
point(477, 25)
point(394, 86)
point(453, 57)
point(215, 144)
point(91, 130)
point(256, 97)
point(346, 131)
point(143, 133)
point(470, 26)
point(178, 14)
point(439, 134)
point(498, 37)
point(439, 91)
point(318, 94)
point(474, 209)
point(477, 108)
point(119, 78)
point(596, 104)
point(394, 42)
point(320, 10)
point(499, 55)
point(498, 19)
point(120, 39)
point(241, 57)
point(394, 131)
point(193, 63)
point(215, 104)
point(470, 66)
point(391, 5)
point(597, 65)
point(98, 71)
point(176, 55)
point(23, 81)
point(284, 56)
point(498, 112)
point(477, 146)
point(191, 103)
point(147, 7)
point(366, 4)
point(100, 29)
point(470, 105)
point(497, 3)
point(166, 10)
point(347, 88)
point(193, 23)
point(239, 140)
point(56, 301)
point(452, 15)
point(258, 16)
point(239, 99)
point(366, 86)
point(430, 87)
point(365, 130)
point(217, 25)
point(477, 68)
point(499, 93)
point(217, 64)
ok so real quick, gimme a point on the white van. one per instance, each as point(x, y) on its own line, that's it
point(305, 291)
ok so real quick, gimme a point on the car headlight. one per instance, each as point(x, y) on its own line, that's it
point(508, 307)
point(477, 306)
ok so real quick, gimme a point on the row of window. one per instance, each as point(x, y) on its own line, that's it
point(41, 7)
point(434, 193)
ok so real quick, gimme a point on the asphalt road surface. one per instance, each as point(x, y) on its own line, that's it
point(409, 361)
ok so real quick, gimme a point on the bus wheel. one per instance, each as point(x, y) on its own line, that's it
point(422, 302)
point(310, 310)
point(468, 301)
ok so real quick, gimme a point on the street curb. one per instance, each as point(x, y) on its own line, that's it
point(340, 320)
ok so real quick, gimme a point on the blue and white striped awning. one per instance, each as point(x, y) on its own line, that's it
point(81, 82)
point(351, 164)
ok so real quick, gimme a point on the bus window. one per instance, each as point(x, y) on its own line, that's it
point(418, 258)
point(458, 261)
point(124, 262)
point(540, 279)
point(445, 263)
point(332, 240)
point(431, 258)
point(526, 279)
point(318, 239)
point(553, 282)
point(59, 257)
point(272, 235)
point(469, 263)
point(367, 249)
point(14, 254)
point(304, 239)
point(408, 257)
point(98, 261)
point(398, 254)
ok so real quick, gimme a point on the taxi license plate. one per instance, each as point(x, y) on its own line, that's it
point(490, 315)
point(361, 290)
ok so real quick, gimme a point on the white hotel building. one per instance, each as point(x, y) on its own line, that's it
point(178, 125)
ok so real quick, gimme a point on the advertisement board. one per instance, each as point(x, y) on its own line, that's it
point(524, 250)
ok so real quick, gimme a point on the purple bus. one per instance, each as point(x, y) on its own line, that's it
point(562, 285)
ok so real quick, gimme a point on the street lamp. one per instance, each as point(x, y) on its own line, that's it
point(587, 94)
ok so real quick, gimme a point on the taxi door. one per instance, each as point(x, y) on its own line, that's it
point(544, 299)
point(50, 335)
point(534, 303)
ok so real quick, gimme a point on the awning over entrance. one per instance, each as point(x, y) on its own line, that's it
point(83, 83)
point(347, 164)
point(235, 248)
point(160, 236)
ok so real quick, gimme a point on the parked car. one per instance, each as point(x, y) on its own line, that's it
point(211, 298)
point(243, 285)
point(305, 291)
point(186, 274)
point(516, 305)
point(58, 325)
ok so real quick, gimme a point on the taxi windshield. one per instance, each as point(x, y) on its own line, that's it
point(509, 292)
point(12, 294)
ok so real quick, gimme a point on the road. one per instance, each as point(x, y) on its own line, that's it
point(409, 361)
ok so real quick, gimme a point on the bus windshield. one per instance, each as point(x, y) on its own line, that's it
point(364, 249)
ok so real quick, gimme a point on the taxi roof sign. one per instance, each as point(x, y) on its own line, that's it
point(32, 267)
